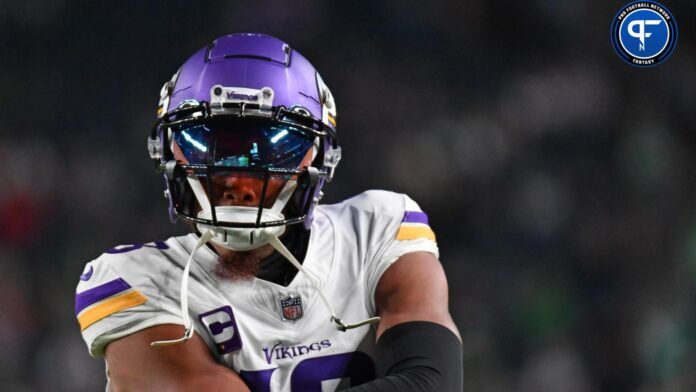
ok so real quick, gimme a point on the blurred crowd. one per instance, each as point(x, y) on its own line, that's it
point(559, 180)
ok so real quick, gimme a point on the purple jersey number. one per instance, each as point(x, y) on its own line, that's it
point(309, 373)
point(128, 248)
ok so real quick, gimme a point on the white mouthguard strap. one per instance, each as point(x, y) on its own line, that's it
point(291, 185)
point(277, 207)
point(277, 245)
point(284, 196)
point(314, 282)
point(188, 333)
point(198, 191)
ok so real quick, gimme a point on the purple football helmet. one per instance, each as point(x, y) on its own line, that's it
point(245, 106)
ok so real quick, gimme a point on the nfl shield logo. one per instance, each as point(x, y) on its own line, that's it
point(291, 307)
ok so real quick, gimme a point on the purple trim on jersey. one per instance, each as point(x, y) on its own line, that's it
point(415, 217)
point(96, 294)
point(87, 274)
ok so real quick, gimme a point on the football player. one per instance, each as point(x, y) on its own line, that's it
point(270, 291)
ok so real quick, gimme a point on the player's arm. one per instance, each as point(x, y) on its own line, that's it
point(136, 366)
point(418, 345)
point(414, 288)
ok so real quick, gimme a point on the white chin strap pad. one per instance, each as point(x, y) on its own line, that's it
point(241, 239)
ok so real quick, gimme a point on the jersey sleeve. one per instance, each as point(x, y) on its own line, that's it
point(399, 226)
point(117, 297)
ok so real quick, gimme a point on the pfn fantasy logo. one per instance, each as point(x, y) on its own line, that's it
point(644, 33)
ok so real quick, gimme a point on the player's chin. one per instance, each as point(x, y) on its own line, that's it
point(238, 265)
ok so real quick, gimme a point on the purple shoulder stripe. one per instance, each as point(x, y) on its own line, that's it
point(96, 294)
point(415, 217)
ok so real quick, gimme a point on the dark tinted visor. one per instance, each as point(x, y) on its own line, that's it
point(242, 142)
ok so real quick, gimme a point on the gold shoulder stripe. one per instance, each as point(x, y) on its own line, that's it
point(109, 307)
point(414, 232)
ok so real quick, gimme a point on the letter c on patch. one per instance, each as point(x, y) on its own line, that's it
point(223, 328)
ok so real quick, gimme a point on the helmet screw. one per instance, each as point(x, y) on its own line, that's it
point(217, 91)
point(266, 93)
point(166, 194)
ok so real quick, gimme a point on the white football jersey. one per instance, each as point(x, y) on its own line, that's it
point(276, 338)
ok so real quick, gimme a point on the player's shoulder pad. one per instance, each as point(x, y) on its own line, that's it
point(118, 279)
point(384, 205)
point(377, 201)
point(388, 211)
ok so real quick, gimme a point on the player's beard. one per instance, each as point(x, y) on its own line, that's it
point(238, 265)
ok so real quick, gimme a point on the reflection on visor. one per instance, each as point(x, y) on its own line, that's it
point(242, 143)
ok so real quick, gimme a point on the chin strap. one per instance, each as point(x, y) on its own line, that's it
point(280, 247)
point(188, 333)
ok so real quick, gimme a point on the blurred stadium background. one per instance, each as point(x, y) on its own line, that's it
point(560, 181)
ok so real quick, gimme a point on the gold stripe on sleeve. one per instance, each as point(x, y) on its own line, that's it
point(414, 232)
point(109, 307)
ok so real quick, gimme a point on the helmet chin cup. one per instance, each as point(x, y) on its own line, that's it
point(241, 239)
